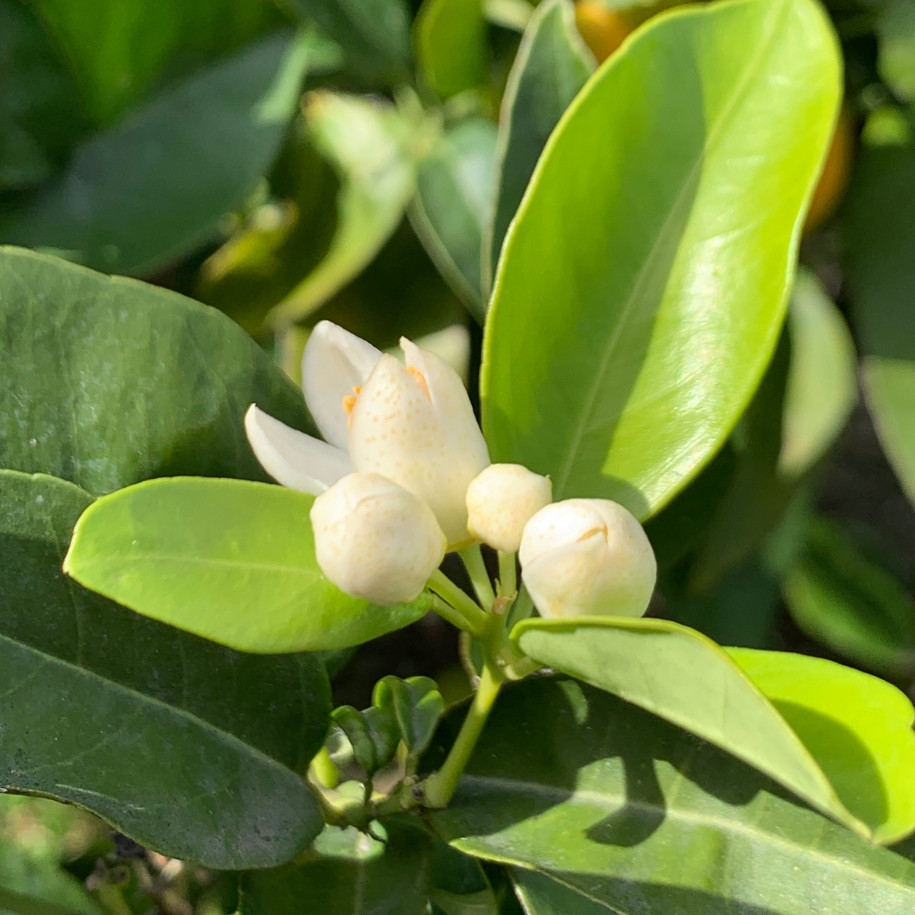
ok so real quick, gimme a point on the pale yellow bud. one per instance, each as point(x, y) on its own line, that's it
point(375, 540)
point(501, 499)
point(587, 557)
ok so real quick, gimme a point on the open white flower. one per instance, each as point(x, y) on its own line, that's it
point(375, 540)
point(413, 424)
point(587, 557)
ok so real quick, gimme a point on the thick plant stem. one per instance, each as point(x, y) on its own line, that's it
point(472, 557)
point(467, 614)
point(440, 787)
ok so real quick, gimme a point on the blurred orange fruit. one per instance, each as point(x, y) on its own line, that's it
point(601, 29)
point(835, 174)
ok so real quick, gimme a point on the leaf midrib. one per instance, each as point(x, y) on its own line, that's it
point(502, 786)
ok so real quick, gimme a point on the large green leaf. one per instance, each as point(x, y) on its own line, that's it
point(451, 45)
point(858, 728)
point(348, 871)
point(551, 67)
point(840, 597)
point(107, 381)
point(229, 560)
point(38, 120)
point(682, 676)
point(365, 143)
point(184, 745)
point(453, 202)
point(642, 286)
point(375, 36)
point(632, 815)
point(879, 231)
point(157, 185)
point(821, 386)
point(122, 49)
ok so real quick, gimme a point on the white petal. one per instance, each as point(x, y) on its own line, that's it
point(333, 364)
point(293, 458)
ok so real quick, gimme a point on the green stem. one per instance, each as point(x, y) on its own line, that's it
point(440, 786)
point(472, 557)
point(460, 609)
point(508, 578)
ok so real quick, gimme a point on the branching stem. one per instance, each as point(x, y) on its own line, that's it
point(459, 609)
point(472, 557)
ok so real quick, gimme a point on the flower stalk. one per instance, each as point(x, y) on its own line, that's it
point(439, 788)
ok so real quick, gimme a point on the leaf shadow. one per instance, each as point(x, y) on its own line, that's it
point(567, 773)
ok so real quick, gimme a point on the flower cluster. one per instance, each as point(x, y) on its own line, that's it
point(404, 476)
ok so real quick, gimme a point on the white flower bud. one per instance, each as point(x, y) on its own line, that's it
point(375, 540)
point(414, 424)
point(501, 499)
point(587, 557)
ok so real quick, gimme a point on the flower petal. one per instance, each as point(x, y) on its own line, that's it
point(333, 364)
point(430, 444)
point(293, 458)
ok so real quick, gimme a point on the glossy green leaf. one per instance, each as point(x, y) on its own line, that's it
point(857, 727)
point(849, 603)
point(636, 816)
point(348, 871)
point(551, 66)
point(38, 120)
point(455, 186)
point(183, 745)
point(879, 235)
point(228, 560)
point(143, 45)
point(687, 679)
point(107, 381)
point(416, 705)
point(364, 141)
point(374, 36)
point(451, 45)
point(157, 185)
point(821, 387)
point(642, 287)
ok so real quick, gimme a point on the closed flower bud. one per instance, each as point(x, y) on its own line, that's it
point(414, 425)
point(501, 500)
point(375, 540)
point(587, 557)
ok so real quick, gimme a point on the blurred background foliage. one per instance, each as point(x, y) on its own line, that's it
point(288, 161)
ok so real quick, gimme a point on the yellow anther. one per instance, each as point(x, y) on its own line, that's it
point(349, 401)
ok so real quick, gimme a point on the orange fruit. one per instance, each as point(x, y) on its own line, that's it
point(601, 29)
point(835, 174)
